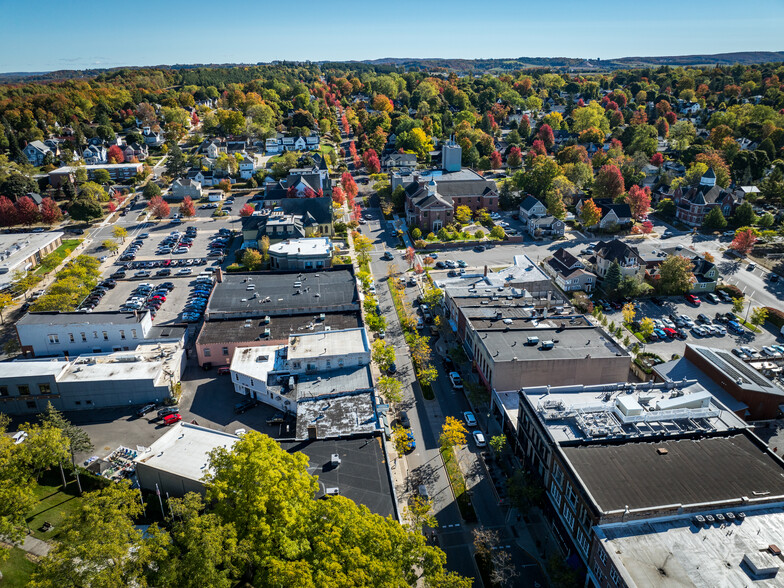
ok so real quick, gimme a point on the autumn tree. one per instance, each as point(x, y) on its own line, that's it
point(759, 315)
point(629, 312)
point(463, 214)
point(496, 161)
point(7, 212)
point(247, 210)
point(590, 213)
point(390, 388)
point(639, 201)
point(546, 135)
point(115, 155)
point(252, 259)
point(646, 327)
point(187, 209)
point(349, 186)
point(27, 212)
point(410, 256)
point(744, 241)
point(50, 212)
point(515, 158)
point(453, 432)
point(608, 182)
point(372, 163)
point(675, 275)
point(158, 207)
point(383, 354)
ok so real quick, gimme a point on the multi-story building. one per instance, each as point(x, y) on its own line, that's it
point(692, 203)
point(23, 251)
point(617, 454)
point(608, 252)
point(36, 152)
point(290, 218)
point(314, 253)
point(118, 172)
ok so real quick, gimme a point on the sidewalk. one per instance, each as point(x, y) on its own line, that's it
point(34, 546)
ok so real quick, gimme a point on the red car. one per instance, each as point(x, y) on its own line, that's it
point(223, 370)
point(692, 299)
point(170, 419)
point(671, 333)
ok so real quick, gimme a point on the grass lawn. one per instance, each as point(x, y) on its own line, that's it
point(56, 257)
point(457, 481)
point(17, 569)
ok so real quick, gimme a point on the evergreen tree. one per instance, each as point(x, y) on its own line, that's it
point(714, 220)
point(612, 278)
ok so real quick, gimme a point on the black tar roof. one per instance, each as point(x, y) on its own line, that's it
point(692, 471)
point(234, 330)
point(361, 475)
point(276, 294)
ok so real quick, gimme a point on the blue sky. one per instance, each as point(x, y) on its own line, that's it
point(48, 35)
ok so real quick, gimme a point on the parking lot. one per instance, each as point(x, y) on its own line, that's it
point(676, 305)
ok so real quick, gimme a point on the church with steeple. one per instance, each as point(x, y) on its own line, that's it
point(692, 203)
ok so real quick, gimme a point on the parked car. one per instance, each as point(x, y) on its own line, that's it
point(457, 381)
point(245, 405)
point(404, 420)
point(167, 410)
point(170, 419)
point(147, 408)
point(692, 299)
point(479, 439)
point(469, 418)
point(712, 298)
point(224, 370)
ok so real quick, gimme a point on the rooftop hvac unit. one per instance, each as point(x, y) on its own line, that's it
point(335, 491)
point(322, 317)
point(548, 344)
point(266, 320)
point(335, 461)
point(266, 332)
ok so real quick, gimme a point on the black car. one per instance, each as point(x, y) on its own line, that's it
point(657, 301)
point(479, 248)
point(773, 277)
point(440, 265)
point(245, 405)
point(147, 408)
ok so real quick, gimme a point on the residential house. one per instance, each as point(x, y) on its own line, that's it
point(545, 226)
point(153, 138)
point(247, 166)
point(530, 207)
point(36, 151)
point(614, 216)
point(281, 143)
point(205, 178)
point(693, 203)
point(215, 148)
point(289, 218)
point(705, 272)
point(299, 183)
point(651, 175)
point(569, 272)
point(94, 154)
point(139, 151)
point(607, 252)
point(403, 162)
point(182, 187)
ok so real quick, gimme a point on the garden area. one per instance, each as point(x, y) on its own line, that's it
point(17, 568)
point(57, 256)
point(464, 228)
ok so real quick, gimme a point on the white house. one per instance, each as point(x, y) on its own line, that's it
point(530, 208)
point(36, 151)
point(281, 143)
point(182, 187)
point(94, 155)
point(247, 166)
point(152, 138)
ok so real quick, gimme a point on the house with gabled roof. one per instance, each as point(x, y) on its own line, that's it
point(94, 154)
point(403, 162)
point(530, 207)
point(138, 150)
point(289, 218)
point(36, 151)
point(569, 272)
point(628, 257)
point(182, 187)
point(693, 203)
point(545, 226)
point(280, 143)
point(705, 272)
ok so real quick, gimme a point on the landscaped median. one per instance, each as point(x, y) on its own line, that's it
point(457, 481)
point(57, 256)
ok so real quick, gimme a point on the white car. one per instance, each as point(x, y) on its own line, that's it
point(457, 381)
point(479, 438)
point(469, 418)
point(186, 271)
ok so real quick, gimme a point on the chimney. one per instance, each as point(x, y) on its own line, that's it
point(485, 271)
point(219, 275)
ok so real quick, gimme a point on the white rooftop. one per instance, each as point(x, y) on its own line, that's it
point(183, 450)
point(16, 247)
point(257, 362)
point(675, 552)
point(328, 343)
point(23, 368)
point(309, 247)
point(629, 410)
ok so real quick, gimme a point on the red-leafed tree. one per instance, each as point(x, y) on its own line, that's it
point(647, 227)
point(310, 192)
point(349, 185)
point(662, 127)
point(50, 212)
point(187, 209)
point(112, 207)
point(195, 119)
point(372, 164)
point(410, 256)
point(356, 212)
point(344, 123)
point(291, 192)
point(26, 211)
point(639, 201)
point(352, 149)
point(608, 183)
point(159, 208)
point(338, 196)
point(671, 118)
point(247, 210)
point(515, 158)
point(546, 135)
point(537, 148)
point(657, 159)
point(7, 212)
point(115, 155)
point(496, 161)
point(743, 242)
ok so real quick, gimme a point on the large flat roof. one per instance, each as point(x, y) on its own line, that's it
point(676, 552)
point(289, 293)
point(642, 475)
point(81, 318)
point(735, 369)
point(328, 343)
point(569, 342)
point(234, 330)
point(362, 475)
point(16, 247)
point(628, 411)
point(333, 383)
point(338, 416)
point(183, 449)
point(682, 368)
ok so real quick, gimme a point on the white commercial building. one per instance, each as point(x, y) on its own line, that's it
point(301, 254)
point(20, 252)
point(120, 379)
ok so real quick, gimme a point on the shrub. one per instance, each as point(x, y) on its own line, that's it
point(479, 234)
point(732, 290)
point(775, 316)
point(431, 237)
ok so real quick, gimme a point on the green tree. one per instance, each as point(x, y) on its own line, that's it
point(419, 512)
point(252, 259)
point(426, 374)
point(498, 443)
point(433, 297)
point(612, 278)
point(110, 244)
point(744, 216)
point(119, 232)
point(524, 491)
point(759, 315)
point(151, 190)
point(714, 220)
point(175, 161)
point(462, 214)
point(390, 388)
point(102, 177)
point(737, 305)
point(99, 546)
point(646, 327)
point(85, 209)
point(383, 354)
point(497, 233)
point(675, 275)
point(5, 302)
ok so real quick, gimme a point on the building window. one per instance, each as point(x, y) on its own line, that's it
point(105, 336)
point(133, 333)
point(602, 555)
point(4, 391)
point(78, 403)
point(251, 382)
point(23, 390)
point(570, 495)
point(582, 541)
point(45, 388)
point(207, 352)
point(557, 475)
point(296, 365)
point(88, 402)
point(329, 364)
point(599, 573)
point(225, 351)
point(95, 334)
point(614, 576)
point(556, 494)
point(71, 337)
point(568, 517)
point(84, 337)
point(122, 334)
point(31, 404)
point(54, 339)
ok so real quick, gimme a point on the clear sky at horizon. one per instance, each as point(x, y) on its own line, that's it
point(49, 35)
